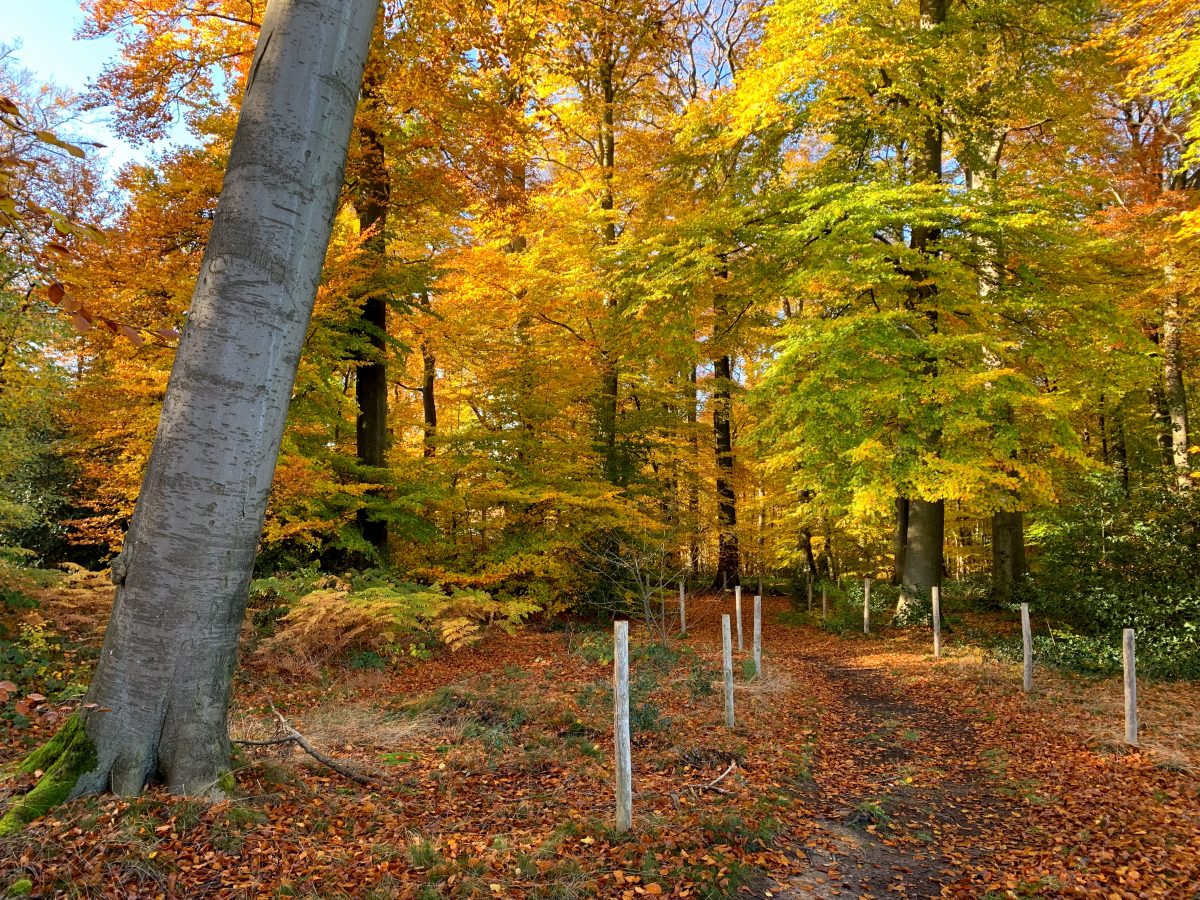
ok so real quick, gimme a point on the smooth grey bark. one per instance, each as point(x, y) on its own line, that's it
point(169, 651)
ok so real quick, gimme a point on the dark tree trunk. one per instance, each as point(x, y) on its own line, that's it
point(1008, 554)
point(693, 412)
point(899, 540)
point(728, 557)
point(610, 378)
point(923, 561)
point(429, 399)
point(1119, 451)
point(806, 546)
point(370, 386)
point(160, 692)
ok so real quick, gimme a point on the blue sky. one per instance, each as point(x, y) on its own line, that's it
point(45, 31)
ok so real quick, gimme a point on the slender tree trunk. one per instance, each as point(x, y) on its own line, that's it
point(1174, 394)
point(728, 557)
point(163, 678)
point(428, 390)
point(610, 378)
point(1119, 451)
point(900, 540)
point(1159, 412)
point(693, 413)
point(371, 383)
point(1102, 426)
point(806, 547)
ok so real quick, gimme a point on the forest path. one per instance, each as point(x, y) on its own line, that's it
point(904, 792)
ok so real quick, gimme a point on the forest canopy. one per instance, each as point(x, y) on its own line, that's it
point(900, 290)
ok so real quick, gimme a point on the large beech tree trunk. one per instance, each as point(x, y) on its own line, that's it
point(163, 678)
point(923, 558)
point(922, 566)
point(1008, 553)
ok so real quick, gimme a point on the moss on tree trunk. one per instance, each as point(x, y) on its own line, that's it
point(61, 760)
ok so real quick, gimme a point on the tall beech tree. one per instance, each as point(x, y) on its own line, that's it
point(157, 705)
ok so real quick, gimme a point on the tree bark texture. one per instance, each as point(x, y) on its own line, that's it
point(165, 668)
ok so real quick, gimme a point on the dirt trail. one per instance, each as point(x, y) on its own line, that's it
point(900, 783)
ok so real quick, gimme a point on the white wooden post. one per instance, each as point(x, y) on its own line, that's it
point(757, 635)
point(866, 606)
point(682, 608)
point(1026, 649)
point(824, 603)
point(727, 653)
point(1131, 714)
point(621, 725)
point(737, 608)
point(937, 622)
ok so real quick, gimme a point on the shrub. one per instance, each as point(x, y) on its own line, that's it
point(370, 613)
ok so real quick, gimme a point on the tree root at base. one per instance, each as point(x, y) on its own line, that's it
point(61, 761)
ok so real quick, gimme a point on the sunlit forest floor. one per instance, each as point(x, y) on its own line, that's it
point(862, 767)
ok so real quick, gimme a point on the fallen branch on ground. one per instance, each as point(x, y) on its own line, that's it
point(697, 789)
point(292, 736)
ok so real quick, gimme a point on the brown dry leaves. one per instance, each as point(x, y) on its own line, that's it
point(863, 768)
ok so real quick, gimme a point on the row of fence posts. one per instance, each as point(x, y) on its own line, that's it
point(621, 672)
point(1128, 648)
point(621, 730)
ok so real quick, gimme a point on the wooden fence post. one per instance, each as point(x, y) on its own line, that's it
point(757, 635)
point(621, 725)
point(737, 608)
point(824, 603)
point(1026, 649)
point(1131, 714)
point(866, 606)
point(682, 608)
point(937, 622)
point(727, 653)
point(810, 592)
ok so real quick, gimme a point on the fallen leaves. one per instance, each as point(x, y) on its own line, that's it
point(961, 784)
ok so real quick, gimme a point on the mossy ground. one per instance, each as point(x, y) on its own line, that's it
point(61, 760)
